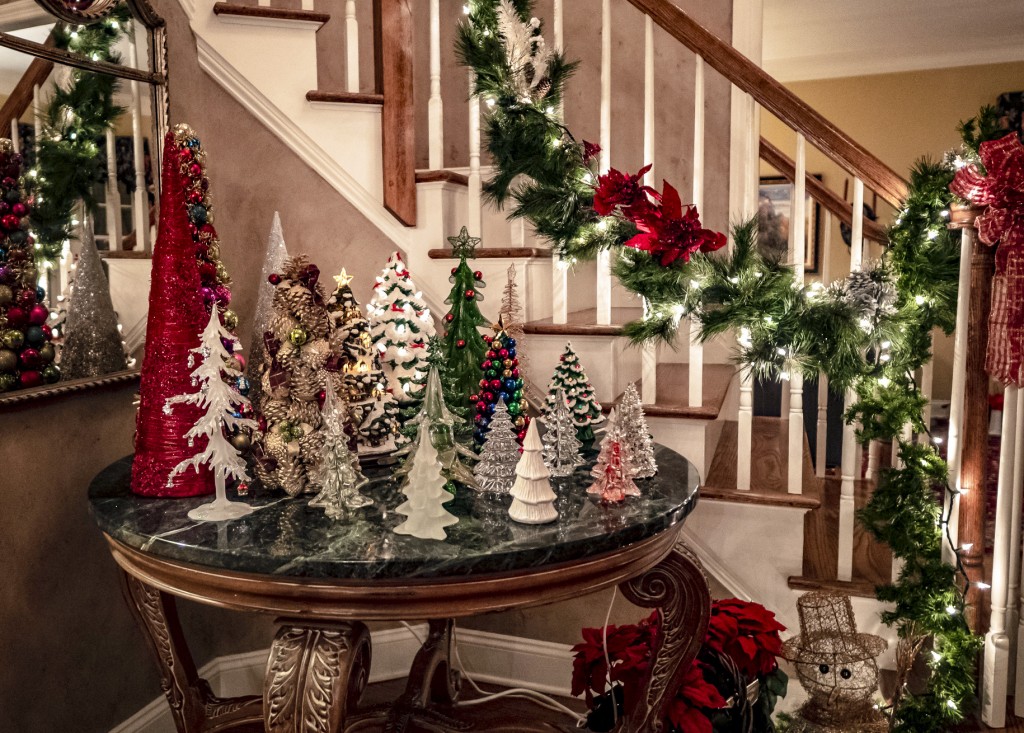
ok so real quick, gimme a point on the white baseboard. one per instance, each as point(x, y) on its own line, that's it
point(495, 658)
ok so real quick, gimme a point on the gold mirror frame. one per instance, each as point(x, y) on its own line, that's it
point(70, 12)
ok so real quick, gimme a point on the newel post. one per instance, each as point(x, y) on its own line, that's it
point(974, 456)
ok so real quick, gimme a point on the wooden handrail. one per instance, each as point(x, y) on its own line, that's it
point(778, 100)
point(21, 96)
point(825, 196)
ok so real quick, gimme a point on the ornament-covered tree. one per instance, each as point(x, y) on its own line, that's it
point(274, 257)
point(371, 408)
point(424, 488)
point(464, 347)
point(400, 328)
point(221, 407)
point(561, 446)
point(500, 380)
point(496, 470)
point(512, 313)
point(26, 353)
point(293, 380)
point(579, 394)
point(613, 480)
point(533, 500)
point(338, 473)
point(635, 433)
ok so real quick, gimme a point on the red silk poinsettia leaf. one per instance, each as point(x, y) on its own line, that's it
point(686, 719)
point(716, 241)
point(670, 201)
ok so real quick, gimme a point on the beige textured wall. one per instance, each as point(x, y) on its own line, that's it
point(900, 118)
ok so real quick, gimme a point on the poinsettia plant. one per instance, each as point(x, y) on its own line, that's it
point(744, 633)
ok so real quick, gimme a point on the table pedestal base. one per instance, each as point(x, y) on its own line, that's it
point(318, 669)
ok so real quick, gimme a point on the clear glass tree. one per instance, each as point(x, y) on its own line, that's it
point(496, 470)
point(338, 473)
point(561, 446)
point(635, 433)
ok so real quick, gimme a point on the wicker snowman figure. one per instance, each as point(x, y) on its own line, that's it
point(836, 666)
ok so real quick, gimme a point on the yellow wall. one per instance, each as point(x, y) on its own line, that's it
point(898, 117)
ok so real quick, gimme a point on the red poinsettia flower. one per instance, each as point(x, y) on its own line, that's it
point(670, 233)
point(746, 632)
point(629, 649)
point(616, 189)
point(1002, 190)
point(696, 695)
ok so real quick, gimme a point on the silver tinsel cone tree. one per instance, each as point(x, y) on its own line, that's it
point(273, 261)
point(561, 446)
point(338, 473)
point(92, 340)
point(512, 315)
point(424, 487)
point(613, 480)
point(570, 378)
point(496, 470)
point(533, 500)
point(635, 433)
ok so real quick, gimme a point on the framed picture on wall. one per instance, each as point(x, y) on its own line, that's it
point(774, 212)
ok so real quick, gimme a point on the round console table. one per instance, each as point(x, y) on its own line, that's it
point(323, 579)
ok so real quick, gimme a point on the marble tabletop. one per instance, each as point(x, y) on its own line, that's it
point(285, 537)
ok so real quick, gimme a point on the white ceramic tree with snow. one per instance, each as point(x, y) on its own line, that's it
point(425, 492)
point(221, 403)
point(533, 501)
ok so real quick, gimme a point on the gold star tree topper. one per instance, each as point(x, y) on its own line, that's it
point(464, 246)
point(342, 279)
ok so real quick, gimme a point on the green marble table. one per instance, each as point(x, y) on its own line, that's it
point(324, 578)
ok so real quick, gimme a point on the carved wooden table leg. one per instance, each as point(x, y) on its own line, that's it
point(193, 704)
point(316, 673)
point(678, 589)
point(432, 679)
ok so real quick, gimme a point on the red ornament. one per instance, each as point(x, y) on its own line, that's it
point(503, 353)
point(461, 344)
point(478, 275)
point(470, 294)
point(47, 331)
point(454, 269)
point(486, 364)
point(483, 384)
point(195, 197)
point(274, 278)
point(515, 373)
point(521, 435)
point(30, 358)
point(10, 222)
point(185, 155)
point(17, 317)
point(208, 271)
point(30, 378)
point(474, 398)
point(488, 397)
point(492, 355)
point(321, 397)
point(19, 209)
point(481, 406)
point(495, 384)
point(38, 315)
point(449, 318)
point(26, 298)
point(195, 170)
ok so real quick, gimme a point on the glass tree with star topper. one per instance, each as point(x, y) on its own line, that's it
point(401, 326)
point(570, 378)
point(372, 410)
point(636, 434)
point(496, 469)
point(463, 346)
point(221, 405)
point(502, 381)
point(561, 446)
point(613, 471)
point(338, 473)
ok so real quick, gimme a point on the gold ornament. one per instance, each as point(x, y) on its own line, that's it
point(507, 363)
point(520, 422)
point(230, 320)
point(507, 373)
point(298, 336)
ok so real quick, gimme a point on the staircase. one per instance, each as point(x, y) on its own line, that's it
point(764, 482)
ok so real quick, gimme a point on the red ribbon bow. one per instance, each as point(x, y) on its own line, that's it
point(1001, 191)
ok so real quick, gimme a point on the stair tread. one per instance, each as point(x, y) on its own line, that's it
point(249, 11)
point(493, 253)
point(584, 323)
point(862, 588)
point(442, 175)
point(768, 467)
point(317, 95)
point(673, 389)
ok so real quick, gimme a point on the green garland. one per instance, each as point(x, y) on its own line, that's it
point(75, 122)
point(868, 333)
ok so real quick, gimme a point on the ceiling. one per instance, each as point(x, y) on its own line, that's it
point(822, 39)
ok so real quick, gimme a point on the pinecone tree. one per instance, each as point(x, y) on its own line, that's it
point(512, 314)
point(400, 328)
point(635, 433)
point(533, 500)
point(561, 446)
point(463, 346)
point(424, 487)
point(501, 381)
point(496, 470)
point(293, 379)
point(579, 395)
point(338, 472)
point(371, 408)
point(612, 473)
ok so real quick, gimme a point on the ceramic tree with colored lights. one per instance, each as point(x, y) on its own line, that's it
point(613, 472)
point(401, 326)
point(221, 409)
point(463, 346)
point(500, 381)
point(579, 394)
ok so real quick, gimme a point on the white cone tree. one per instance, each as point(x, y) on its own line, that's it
point(635, 433)
point(496, 470)
point(425, 493)
point(221, 403)
point(338, 472)
point(561, 446)
point(533, 501)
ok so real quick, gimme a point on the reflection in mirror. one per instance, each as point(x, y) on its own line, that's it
point(85, 202)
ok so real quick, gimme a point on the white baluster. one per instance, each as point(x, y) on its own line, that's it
point(475, 203)
point(307, 4)
point(648, 367)
point(517, 232)
point(435, 107)
point(352, 50)
point(927, 386)
point(15, 136)
point(696, 368)
point(1014, 586)
point(113, 196)
point(744, 425)
point(874, 458)
point(140, 197)
point(649, 351)
point(559, 269)
point(798, 229)
point(264, 3)
point(37, 122)
point(559, 41)
point(821, 449)
point(995, 669)
point(604, 275)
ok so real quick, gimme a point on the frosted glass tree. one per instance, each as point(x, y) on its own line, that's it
point(338, 473)
point(274, 258)
point(222, 404)
point(496, 470)
point(635, 434)
point(424, 488)
point(533, 500)
point(613, 481)
point(400, 327)
point(561, 446)
point(512, 313)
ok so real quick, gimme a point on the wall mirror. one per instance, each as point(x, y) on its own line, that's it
point(83, 85)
